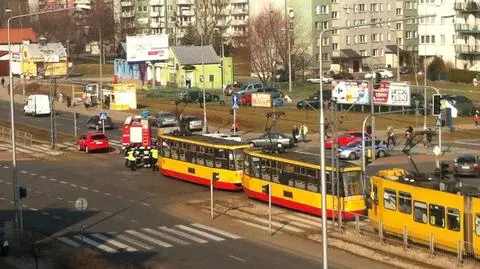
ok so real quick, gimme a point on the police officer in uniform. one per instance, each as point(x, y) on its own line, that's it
point(154, 158)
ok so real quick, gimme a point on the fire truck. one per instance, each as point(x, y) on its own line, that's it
point(136, 131)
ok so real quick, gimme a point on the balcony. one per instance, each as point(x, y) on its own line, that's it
point(184, 3)
point(187, 13)
point(468, 49)
point(128, 25)
point(467, 28)
point(239, 22)
point(126, 3)
point(239, 1)
point(239, 11)
point(155, 24)
point(157, 2)
point(127, 14)
point(154, 14)
point(470, 6)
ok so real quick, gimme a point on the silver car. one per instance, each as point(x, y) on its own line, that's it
point(165, 119)
point(279, 140)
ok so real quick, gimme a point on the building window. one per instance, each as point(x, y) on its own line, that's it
point(317, 25)
point(334, 1)
point(325, 41)
point(145, 8)
point(347, 40)
point(334, 14)
point(432, 39)
point(317, 57)
point(375, 52)
point(381, 37)
point(399, 26)
point(361, 7)
point(324, 24)
point(380, 6)
point(334, 46)
point(374, 37)
point(325, 57)
point(335, 32)
point(408, 5)
point(139, 8)
point(389, 37)
point(398, 11)
point(317, 10)
point(324, 9)
point(373, 7)
point(362, 39)
point(442, 39)
point(408, 34)
point(388, 7)
point(363, 53)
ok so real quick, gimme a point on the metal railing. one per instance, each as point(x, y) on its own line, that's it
point(21, 137)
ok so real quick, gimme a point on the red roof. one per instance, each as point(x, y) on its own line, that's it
point(17, 35)
point(3, 53)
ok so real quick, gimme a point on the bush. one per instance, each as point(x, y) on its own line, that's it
point(463, 76)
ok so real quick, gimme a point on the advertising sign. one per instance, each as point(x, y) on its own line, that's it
point(351, 92)
point(124, 97)
point(392, 94)
point(261, 100)
point(147, 48)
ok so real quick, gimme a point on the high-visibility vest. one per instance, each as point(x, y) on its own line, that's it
point(369, 153)
point(131, 157)
point(155, 153)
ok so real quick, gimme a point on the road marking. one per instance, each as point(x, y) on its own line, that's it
point(69, 242)
point(73, 185)
point(94, 209)
point(45, 213)
point(1, 180)
point(57, 217)
point(107, 212)
point(215, 230)
point(84, 188)
point(185, 235)
point(24, 206)
point(256, 225)
point(237, 258)
point(38, 192)
point(63, 182)
point(33, 174)
point(24, 172)
point(33, 209)
point(111, 241)
point(70, 201)
point(466, 143)
point(2, 198)
point(108, 194)
point(166, 236)
point(119, 217)
point(59, 198)
point(43, 177)
point(134, 220)
point(9, 183)
point(119, 197)
point(204, 234)
point(148, 238)
point(95, 244)
point(96, 191)
point(315, 224)
point(6, 167)
point(145, 204)
point(131, 200)
point(279, 225)
point(133, 241)
point(52, 179)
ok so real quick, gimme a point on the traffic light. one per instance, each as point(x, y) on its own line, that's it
point(436, 103)
point(215, 177)
point(76, 115)
point(266, 188)
point(22, 192)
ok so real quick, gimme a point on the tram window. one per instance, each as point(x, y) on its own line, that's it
point(437, 215)
point(405, 202)
point(420, 212)
point(477, 225)
point(352, 182)
point(182, 152)
point(266, 169)
point(221, 158)
point(453, 219)
point(255, 167)
point(209, 157)
point(200, 155)
point(300, 177)
point(275, 170)
point(312, 183)
point(238, 157)
point(165, 149)
point(174, 150)
point(390, 199)
point(246, 165)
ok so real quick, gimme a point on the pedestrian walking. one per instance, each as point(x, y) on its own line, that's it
point(3, 82)
point(368, 130)
point(188, 83)
point(391, 139)
point(60, 97)
point(427, 138)
point(295, 133)
point(304, 132)
point(408, 135)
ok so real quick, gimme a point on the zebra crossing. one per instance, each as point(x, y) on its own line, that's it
point(45, 150)
point(148, 239)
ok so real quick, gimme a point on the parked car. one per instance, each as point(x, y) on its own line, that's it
point(343, 75)
point(192, 123)
point(246, 99)
point(252, 87)
point(326, 80)
point(4, 245)
point(232, 88)
point(327, 95)
point(466, 165)
point(344, 139)
point(94, 122)
point(197, 96)
point(165, 119)
point(274, 92)
point(384, 73)
point(279, 140)
point(463, 104)
point(353, 150)
point(93, 141)
point(308, 104)
point(405, 70)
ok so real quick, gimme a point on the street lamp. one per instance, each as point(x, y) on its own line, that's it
point(322, 135)
point(205, 128)
point(12, 106)
point(223, 55)
point(289, 14)
point(100, 47)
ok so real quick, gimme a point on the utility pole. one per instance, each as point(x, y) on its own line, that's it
point(53, 91)
point(333, 153)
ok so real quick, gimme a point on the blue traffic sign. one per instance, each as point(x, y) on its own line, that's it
point(103, 115)
point(234, 101)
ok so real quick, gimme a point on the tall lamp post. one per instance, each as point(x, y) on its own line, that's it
point(205, 128)
point(322, 136)
point(100, 48)
point(12, 105)
point(222, 54)
point(289, 14)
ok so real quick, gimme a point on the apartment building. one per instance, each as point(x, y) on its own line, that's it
point(409, 43)
point(173, 16)
point(467, 30)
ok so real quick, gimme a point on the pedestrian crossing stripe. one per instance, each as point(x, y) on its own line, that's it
point(149, 238)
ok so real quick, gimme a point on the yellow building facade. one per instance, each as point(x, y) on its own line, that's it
point(44, 60)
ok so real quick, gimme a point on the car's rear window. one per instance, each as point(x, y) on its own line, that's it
point(98, 137)
point(466, 159)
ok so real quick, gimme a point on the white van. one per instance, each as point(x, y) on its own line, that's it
point(37, 104)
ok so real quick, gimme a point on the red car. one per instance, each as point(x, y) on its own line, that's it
point(93, 141)
point(246, 99)
point(345, 139)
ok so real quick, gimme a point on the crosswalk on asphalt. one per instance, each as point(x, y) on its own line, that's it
point(148, 239)
point(45, 150)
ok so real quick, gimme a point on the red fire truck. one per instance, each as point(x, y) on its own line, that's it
point(136, 131)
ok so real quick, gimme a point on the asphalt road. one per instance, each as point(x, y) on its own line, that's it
point(125, 219)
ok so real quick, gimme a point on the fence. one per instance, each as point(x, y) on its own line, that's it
point(21, 137)
point(412, 244)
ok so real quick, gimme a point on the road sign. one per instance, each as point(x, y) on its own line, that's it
point(103, 115)
point(436, 150)
point(438, 123)
point(81, 204)
point(235, 102)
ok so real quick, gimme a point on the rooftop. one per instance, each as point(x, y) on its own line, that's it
point(17, 35)
point(50, 49)
point(192, 55)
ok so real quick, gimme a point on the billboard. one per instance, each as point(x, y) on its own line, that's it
point(124, 97)
point(351, 92)
point(147, 48)
point(261, 100)
point(392, 94)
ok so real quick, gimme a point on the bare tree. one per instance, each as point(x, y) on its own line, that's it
point(56, 26)
point(265, 35)
point(211, 18)
point(101, 16)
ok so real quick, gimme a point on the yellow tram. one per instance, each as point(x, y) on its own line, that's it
point(295, 183)
point(200, 159)
point(427, 210)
